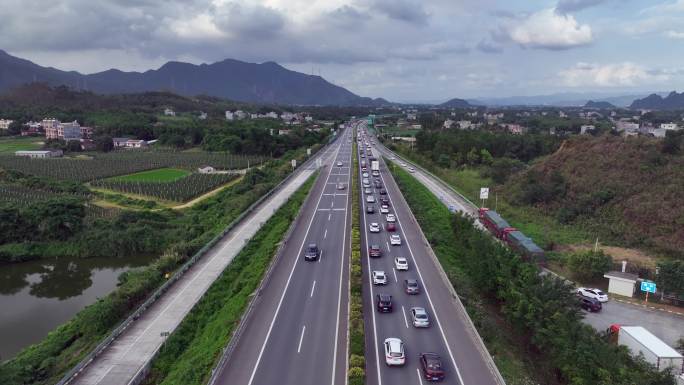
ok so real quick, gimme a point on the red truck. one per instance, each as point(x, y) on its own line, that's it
point(513, 237)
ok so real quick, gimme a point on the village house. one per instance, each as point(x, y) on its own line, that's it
point(5, 123)
point(40, 154)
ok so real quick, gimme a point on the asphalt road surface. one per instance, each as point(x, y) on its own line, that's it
point(450, 335)
point(298, 331)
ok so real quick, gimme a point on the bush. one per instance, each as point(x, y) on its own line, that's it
point(589, 265)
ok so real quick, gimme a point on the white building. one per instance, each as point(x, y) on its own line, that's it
point(669, 126)
point(586, 127)
point(202, 115)
point(229, 115)
point(169, 112)
point(271, 115)
point(465, 124)
point(448, 123)
point(5, 123)
point(287, 116)
point(239, 115)
point(70, 131)
point(206, 170)
point(254, 116)
point(308, 119)
point(40, 154)
point(411, 116)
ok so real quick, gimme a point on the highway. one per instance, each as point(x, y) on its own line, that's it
point(124, 361)
point(451, 334)
point(297, 334)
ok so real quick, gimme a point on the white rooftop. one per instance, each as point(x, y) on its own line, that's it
point(651, 342)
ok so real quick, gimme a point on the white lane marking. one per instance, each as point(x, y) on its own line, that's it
point(312, 289)
point(339, 293)
point(329, 214)
point(403, 311)
point(420, 378)
point(320, 258)
point(325, 235)
point(370, 283)
point(425, 289)
point(388, 248)
point(282, 296)
point(394, 271)
point(301, 339)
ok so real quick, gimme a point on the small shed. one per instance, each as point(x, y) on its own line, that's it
point(206, 170)
point(621, 283)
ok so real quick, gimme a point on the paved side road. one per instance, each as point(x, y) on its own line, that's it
point(129, 354)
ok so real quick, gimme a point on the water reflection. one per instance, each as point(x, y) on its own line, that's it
point(37, 296)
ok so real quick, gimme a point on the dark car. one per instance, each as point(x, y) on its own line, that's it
point(377, 184)
point(370, 209)
point(375, 251)
point(391, 226)
point(590, 304)
point(431, 365)
point(411, 286)
point(384, 200)
point(384, 303)
point(383, 192)
point(312, 252)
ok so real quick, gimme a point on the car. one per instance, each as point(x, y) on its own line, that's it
point(384, 303)
point(431, 366)
point(374, 251)
point(411, 170)
point(384, 200)
point(395, 240)
point(370, 209)
point(590, 304)
point(375, 173)
point(392, 157)
point(366, 182)
point(394, 352)
point(340, 186)
point(365, 175)
point(363, 168)
point(377, 184)
point(363, 155)
point(402, 164)
point(384, 209)
point(419, 317)
point(379, 277)
point(312, 252)
point(383, 192)
point(391, 218)
point(391, 226)
point(400, 263)
point(411, 286)
point(370, 199)
point(367, 191)
point(374, 228)
point(593, 293)
point(339, 164)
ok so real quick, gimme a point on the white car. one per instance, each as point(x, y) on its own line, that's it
point(365, 175)
point(374, 228)
point(339, 164)
point(419, 317)
point(402, 164)
point(411, 169)
point(370, 199)
point(395, 240)
point(368, 191)
point(593, 293)
point(400, 263)
point(394, 352)
point(379, 277)
point(391, 218)
point(384, 209)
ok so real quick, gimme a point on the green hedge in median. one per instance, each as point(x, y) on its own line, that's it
point(357, 340)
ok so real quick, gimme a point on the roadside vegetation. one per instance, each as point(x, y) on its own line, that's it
point(189, 354)
point(531, 324)
point(357, 338)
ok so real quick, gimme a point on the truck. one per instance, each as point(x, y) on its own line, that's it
point(375, 165)
point(656, 352)
point(513, 237)
point(494, 222)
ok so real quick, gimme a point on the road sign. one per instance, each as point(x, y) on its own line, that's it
point(294, 163)
point(484, 193)
point(649, 287)
point(308, 152)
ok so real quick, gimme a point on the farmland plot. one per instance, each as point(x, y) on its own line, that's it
point(179, 190)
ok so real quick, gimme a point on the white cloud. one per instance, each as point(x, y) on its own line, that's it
point(674, 34)
point(624, 74)
point(549, 29)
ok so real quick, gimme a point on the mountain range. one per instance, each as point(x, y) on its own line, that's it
point(672, 101)
point(566, 99)
point(231, 79)
point(456, 103)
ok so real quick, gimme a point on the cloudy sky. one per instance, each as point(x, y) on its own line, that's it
point(402, 50)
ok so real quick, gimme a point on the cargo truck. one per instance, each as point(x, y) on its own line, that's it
point(494, 222)
point(656, 352)
point(375, 165)
point(513, 237)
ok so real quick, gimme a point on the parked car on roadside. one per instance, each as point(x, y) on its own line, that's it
point(590, 304)
point(593, 293)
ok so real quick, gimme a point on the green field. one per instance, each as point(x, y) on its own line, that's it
point(157, 175)
point(10, 145)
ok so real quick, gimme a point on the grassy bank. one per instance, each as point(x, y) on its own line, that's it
point(357, 359)
point(191, 351)
point(530, 324)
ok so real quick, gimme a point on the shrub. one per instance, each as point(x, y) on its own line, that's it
point(588, 265)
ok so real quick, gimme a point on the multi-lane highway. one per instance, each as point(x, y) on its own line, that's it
point(297, 334)
point(450, 334)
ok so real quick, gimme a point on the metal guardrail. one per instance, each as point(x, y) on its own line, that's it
point(256, 296)
point(100, 348)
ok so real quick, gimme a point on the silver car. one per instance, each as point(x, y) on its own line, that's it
point(420, 317)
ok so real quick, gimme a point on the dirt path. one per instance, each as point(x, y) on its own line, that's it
point(207, 195)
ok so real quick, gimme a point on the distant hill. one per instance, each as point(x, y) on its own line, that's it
point(456, 103)
point(621, 189)
point(230, 79)
point(672, 101)
point(568, 99)
point(603, 105)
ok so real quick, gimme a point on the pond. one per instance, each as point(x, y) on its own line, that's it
point(37, 296)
